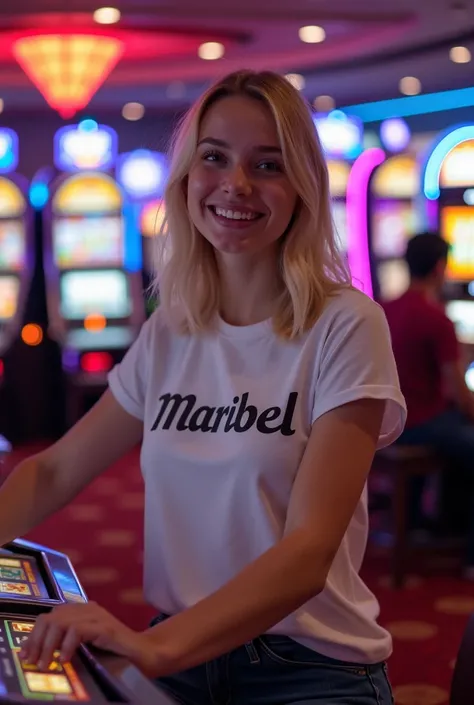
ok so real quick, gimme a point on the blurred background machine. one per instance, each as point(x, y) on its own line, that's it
point(92, 262)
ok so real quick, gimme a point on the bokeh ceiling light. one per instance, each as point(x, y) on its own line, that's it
point(312, 34)
point(210, 51)
point(460, 55)
point(324, 103)
point(67, 68)
point(106, 15)
point(296, 80)
point(133, 111)
point(409, 85)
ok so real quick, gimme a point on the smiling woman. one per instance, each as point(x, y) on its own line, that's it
point(248, 181)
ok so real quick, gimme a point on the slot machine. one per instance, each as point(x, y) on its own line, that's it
point(16, 246)
point(142, 174)
point(448, 182)
point(393, 217)
point(34, 579)
point(92, 262)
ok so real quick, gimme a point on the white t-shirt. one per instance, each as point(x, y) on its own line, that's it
point(227, 416)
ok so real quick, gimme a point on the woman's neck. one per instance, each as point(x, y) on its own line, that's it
point(249, 289)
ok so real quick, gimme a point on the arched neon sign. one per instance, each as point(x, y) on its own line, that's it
point(445, 144)
point(357, 218)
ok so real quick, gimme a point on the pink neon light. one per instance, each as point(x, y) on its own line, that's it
point(357, 217)
point(432, 214)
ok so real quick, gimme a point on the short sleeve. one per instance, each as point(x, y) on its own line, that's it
point(128, 380)
point(445, 342)
point(357, 362)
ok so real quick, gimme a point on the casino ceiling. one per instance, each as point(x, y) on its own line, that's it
point(368, 46)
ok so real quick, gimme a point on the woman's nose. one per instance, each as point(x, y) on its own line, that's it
point(237, 183)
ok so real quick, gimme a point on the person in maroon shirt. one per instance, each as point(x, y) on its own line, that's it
point(439, 403)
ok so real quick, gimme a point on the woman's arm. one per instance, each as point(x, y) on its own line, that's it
point(328, 486)
point(44, 483)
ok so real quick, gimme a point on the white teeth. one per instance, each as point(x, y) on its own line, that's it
point(234, 215)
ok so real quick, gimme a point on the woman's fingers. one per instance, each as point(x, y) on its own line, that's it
point(52, 640)
point(71, 642)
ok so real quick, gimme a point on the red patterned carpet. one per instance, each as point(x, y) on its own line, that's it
point(102, 533)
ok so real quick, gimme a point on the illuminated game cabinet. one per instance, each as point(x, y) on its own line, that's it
point(94, 289)
point(394, 217)
point(341, 139)
point(142, 174)
point(448, 181)
point(16, 244)
point(33, 580)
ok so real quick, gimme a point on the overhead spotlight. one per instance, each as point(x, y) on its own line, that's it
point(133, 111)
point(460, 55)
point(324, 103)
point(409, 85)
point(312, 34)
point(106, 15)
point(210, 51)
point(296, 80)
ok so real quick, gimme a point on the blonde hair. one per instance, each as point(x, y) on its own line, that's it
point(311, 266)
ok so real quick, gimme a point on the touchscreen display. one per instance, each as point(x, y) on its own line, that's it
point(68, 682)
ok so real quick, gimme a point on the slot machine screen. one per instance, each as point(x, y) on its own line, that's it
point(393, 223)
point(88, 241)
point(9, 293)
point(457, 227)
point(393, 278)
point(12, 245)
point(339, 217)
point(20, 578)
point(462, 315)
point(62, 682)
point(103, 292)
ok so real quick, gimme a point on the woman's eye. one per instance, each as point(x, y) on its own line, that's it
point(269, 166)
point(212, 156)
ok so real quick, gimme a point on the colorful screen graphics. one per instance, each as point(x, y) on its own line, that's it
point(12, 245)
point(457, 227)
point(88, 241)
point(462, 315)
point(66, 682)
point(9, 293)
point(394, 279)
point(104, 293)
point(20, 578)
point(393, 223)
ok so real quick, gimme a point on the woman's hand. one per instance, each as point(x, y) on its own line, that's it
point(67, 626)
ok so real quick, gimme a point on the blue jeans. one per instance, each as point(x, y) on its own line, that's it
point(451, 434)
point(276, 670)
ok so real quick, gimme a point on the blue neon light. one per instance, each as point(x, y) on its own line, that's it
point(38, 195)
point(8, 150)
point(133, 245)
point(447, 141)
point(413, 105)
point(142, 173)
point(88, 125)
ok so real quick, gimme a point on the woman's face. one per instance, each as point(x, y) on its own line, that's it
point(239, 197)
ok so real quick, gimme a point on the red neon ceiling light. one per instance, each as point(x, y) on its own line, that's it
point(67, 68)
point(69, 62)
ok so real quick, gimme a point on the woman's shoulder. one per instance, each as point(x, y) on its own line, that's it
point(349, 304)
